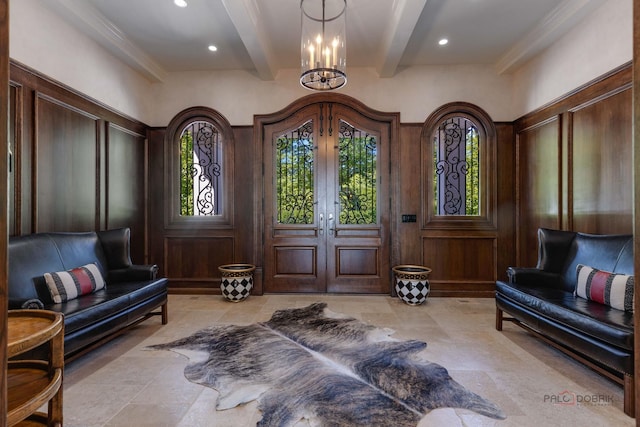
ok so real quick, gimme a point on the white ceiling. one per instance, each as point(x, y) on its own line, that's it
point(263, 36)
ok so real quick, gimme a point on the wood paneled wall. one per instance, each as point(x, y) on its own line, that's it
point(636, 192)
point(4, 203)
point(190, 257)
point(468, 259)
point(78, 165)
point(574, 164)
point(465, 262)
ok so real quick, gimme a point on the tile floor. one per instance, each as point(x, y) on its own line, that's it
point(124, 385)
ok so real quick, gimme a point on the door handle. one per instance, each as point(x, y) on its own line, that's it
point(330, 224)
point(321, 224)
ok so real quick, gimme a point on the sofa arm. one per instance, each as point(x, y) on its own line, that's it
point(116, 248)
point(33, 304)
point(20, 304)
point(531, 276)
point(134, 273)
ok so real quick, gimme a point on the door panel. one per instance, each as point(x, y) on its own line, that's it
point(357, 245)
point(294, 255)
point(326, 228)
point(295, 260)
point(357, 261)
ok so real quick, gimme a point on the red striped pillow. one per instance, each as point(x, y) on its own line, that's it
point(70, 284)
point(614, 290)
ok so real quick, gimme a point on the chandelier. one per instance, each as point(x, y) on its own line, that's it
point(323, 46)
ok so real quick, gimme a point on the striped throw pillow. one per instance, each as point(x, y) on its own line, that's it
point(70, 284)
point(614, 290)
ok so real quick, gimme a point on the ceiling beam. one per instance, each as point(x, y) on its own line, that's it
point(400, 26)
point(548, 30)
point(111, 37)
point(245, 17)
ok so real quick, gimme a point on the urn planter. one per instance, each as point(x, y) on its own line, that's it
point(237, 281)
point(412, 283)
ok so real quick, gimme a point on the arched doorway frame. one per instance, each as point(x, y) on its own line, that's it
point(259, 123)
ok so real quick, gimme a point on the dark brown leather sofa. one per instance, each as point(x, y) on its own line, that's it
point(132, 294)
point(542, 300)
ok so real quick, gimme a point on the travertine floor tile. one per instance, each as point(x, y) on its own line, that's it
point(125, 384)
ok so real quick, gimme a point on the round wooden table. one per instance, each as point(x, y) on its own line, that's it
point(32, 383)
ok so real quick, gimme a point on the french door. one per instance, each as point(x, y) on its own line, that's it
point(326, 202)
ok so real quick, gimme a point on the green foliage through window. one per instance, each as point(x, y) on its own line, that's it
point(295, 176)
point(201, 176)
point(186, 174)
point(456, 180)
point(358, 176)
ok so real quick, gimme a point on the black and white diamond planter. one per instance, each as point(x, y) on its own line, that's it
point(237, 281)
point(412, 283)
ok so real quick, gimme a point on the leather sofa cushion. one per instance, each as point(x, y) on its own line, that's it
point(139, 291)
point(611, 358)
point(82, 337)
point(81, 312)
point(92, 308)
point(597, 320)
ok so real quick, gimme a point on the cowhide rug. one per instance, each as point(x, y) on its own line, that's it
point(331, 369)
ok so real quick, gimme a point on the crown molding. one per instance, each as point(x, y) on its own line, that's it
point(107, 34)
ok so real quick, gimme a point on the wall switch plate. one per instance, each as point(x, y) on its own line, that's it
point(408, 218)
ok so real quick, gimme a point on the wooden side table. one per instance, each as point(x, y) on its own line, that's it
point(32, 383)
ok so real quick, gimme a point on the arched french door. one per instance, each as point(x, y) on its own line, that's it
point(326, 198)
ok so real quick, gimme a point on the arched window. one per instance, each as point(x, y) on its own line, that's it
point(458, 143)
point(201, 169)
point(199, 147)
point(456, 161)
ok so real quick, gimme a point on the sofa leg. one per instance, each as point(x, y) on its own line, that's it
point(498, 319)
point(165, 314)
point(629, 395)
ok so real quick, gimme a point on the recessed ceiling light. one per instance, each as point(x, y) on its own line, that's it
point(442, 42)
point(212, 48)
point(180, 3)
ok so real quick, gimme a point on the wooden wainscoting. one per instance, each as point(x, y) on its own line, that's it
point(467, 254)
point(574, 163)
point(192, 261)
point(189, 256)
point(464, 265)
point(78, 165)
point(65, 169)
point(5, 193)
point(466, 261)
point(539, 201)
